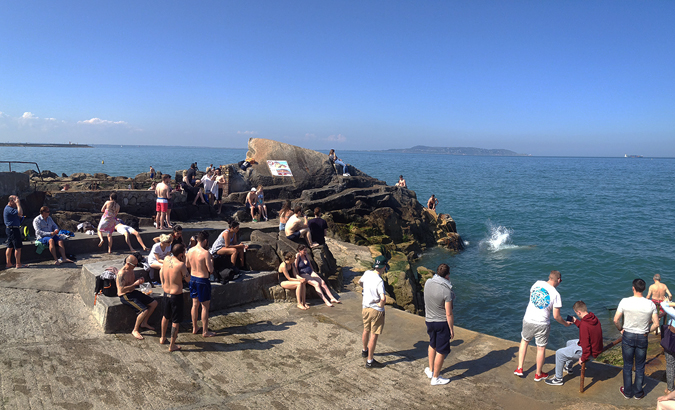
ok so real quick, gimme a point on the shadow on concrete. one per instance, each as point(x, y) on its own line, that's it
point(420, 350)
point(262, 326)
point(490, 361)
point(596, 374)
point(243, 344)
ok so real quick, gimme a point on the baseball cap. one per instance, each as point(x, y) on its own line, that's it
point(253, 189)
point(380, 262)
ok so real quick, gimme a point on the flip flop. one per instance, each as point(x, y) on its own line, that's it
point(208, 334)
point(22, 266)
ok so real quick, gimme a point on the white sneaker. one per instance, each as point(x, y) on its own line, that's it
point(436, 381)
point(428, 372)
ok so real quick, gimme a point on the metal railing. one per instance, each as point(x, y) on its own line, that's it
point(23, 162)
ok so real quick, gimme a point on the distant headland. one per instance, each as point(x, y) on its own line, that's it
point(422, 149)
point(32, 144)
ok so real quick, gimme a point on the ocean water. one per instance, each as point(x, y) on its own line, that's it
point(600, 221)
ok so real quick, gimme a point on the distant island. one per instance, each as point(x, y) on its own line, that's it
point(423, 149)
point(32, 144)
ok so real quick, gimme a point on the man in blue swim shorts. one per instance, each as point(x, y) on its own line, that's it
point(200, 264)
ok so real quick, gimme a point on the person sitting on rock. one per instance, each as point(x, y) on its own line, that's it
point(228, 244)
point(296, 226)
point(260, 202)
point(158, 252)
point(318, 228)
point(304, 269)
point(285, 213)
point(192, 190)
point(290, 279)
point(176, 236)
point(125, 230)
point(47, 232)
point(401, 182)
point(432, 203)
point(152, 172)
point(252, 203)
point(332, 156)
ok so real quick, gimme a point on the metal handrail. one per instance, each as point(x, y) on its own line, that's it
point(23, 162)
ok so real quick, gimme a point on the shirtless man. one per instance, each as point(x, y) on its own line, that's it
point(200, 263)
point(220, 180)
point(251, 201)
point(143, 304)
point(172, 273)
point(432, 202)
point(657, 294)
point(163, 195)
point(297, 227)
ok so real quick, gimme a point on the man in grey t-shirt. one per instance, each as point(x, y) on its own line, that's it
point(639, 318)
point(438, 298)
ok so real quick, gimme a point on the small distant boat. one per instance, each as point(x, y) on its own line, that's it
point(632, 156)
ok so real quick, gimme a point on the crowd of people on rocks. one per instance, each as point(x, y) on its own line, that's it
point(175, 264)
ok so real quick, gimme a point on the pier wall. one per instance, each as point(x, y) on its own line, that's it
point(14, 183)
point(131, 201)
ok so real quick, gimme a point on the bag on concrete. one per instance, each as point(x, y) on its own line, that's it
point(106, 283)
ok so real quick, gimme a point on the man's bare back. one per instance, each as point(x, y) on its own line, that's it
point(200, 262)
point(173, 273)
point(162, 190)
point(658, 291)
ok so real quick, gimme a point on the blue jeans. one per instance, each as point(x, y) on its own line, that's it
point(633, 346)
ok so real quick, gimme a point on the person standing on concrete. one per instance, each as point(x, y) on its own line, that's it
point(544, 298)
point(438, 304)
point(173, 273)
point(12, 217)
point(47, 232)
point(638, 314)
point(588, 345)
point(200, 263)
point(143, 304)
point(162, 205)
point(374, 298)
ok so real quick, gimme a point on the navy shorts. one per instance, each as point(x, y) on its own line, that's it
point(294, 236)
point(439, 336)
point(13, 238)
point(137, 300)
point(200, 288)
point(46, 239)
point(173, 307)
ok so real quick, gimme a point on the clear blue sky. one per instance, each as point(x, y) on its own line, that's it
point(593, 78)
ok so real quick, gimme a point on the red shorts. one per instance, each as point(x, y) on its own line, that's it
point(162, 205)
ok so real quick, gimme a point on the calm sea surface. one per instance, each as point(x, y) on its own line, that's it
point(600, 221)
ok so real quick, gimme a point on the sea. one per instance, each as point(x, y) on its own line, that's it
point(601, 222)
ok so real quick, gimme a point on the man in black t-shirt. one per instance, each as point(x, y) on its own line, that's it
point(318, 228)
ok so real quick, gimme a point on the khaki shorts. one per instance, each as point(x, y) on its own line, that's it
point(373, 320)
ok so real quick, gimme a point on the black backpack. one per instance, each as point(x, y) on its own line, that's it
point(106, 283)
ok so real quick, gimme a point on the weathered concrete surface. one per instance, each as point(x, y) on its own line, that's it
point(54, 356)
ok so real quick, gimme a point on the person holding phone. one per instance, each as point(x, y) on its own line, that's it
point(589, 343)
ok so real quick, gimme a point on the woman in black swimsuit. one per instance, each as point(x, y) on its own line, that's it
point(304, 268)
point(289, 279)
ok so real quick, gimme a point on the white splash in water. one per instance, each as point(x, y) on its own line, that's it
point(499, 238)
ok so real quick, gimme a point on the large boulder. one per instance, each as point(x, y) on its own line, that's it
point(311, 169)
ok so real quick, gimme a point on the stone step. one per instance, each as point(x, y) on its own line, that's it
point(113, 316)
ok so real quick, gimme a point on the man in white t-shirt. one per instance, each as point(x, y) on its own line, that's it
point(639, 318)
point(544, 298)
point(374, 298)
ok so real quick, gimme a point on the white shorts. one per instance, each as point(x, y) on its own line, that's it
point(125, 228)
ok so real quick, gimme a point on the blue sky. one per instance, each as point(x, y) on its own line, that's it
point(590, 78)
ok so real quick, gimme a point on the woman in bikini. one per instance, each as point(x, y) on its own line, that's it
point(285, 213)
point(260, 202)
point(289, 279)
point(108, 220)
point(304, 268)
